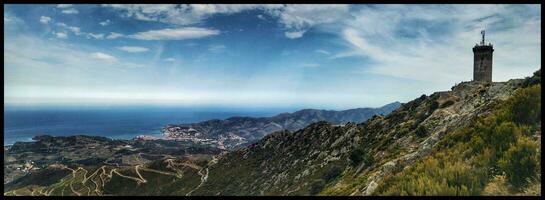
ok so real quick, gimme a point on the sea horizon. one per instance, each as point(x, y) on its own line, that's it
point(22, 123)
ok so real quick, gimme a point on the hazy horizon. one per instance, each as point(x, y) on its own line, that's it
point(256, 56)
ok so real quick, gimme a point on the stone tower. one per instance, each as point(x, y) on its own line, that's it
point(482, 61)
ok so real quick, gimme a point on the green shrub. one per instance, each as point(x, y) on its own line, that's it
point(358, 155)
point(316, 186)
point(434, 105)
point(332, 173)
point(526, 106)
point(421, 131)
point(536, 79)
point(502, 137)
point(520, 162)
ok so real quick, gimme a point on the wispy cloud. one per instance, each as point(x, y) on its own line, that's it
point(64, 5)
point(176, 34)
point(216, 48)
point(97, 36)
point(105, 23)
point(169, 59)
point(323, 52)
point(433, 43)
point(186, 14)
point(61, 35)
point(70, 11)
point(45, 19)
point(133, 49)
point(103, 57)
point(309, 65)
point(73, 29)
point(296, 19)
point(294, 34)
point(114, 35)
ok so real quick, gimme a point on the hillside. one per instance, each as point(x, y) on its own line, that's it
point(238, 131)
point(49, 159)
point(356, 159)
point(476, 139)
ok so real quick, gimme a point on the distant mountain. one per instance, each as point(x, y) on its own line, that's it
point(237, 131)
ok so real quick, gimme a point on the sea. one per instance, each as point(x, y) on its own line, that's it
point(22, 124)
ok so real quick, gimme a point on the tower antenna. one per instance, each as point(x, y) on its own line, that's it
point(482, 33)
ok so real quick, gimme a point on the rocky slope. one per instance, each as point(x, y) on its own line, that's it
point(236, 131)
point(286, 163)
point(354, 159)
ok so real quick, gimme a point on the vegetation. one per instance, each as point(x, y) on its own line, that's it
point(317, 186)
point(433, 106)
point(520, 162)
point(333, 173)
point(447, 104)
point(358, 155)
point(421, 131)
point(497, 152)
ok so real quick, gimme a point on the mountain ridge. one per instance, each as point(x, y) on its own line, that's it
point(239, 130)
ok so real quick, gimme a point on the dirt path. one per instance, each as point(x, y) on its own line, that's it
point(103, 176)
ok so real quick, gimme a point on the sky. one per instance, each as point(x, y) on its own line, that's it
point(307, 56)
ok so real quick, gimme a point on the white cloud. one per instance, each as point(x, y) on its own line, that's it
point(96, 36)
point(12, 21)
point(61, 35)
point(105, 23)
point(296, 19)
point(103, 57)
point(70, 11)
point(294, 34)
point(323, 52)
point(114, 35)
point(175, 34)
point(181, 14)
point(64, 5)
point(61, 24)
point(169, 59)
point(133, 49)
point(45, 19)
point(299, 18)
point(216, 48)
point(444, 58)
point(73, 29)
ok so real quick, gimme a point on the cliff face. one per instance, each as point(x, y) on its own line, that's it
point(236, 131)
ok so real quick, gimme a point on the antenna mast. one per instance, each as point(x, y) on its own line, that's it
point(482, 33)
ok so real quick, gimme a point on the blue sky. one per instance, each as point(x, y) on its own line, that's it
point(319, 56)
